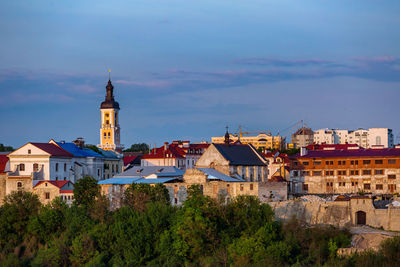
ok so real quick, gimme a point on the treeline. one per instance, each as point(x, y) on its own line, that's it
point(147, 230)
point(4, 148)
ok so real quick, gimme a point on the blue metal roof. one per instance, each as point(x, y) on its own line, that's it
point(78, 152)
point(155, 181)
point(120, 180)
point(216, 175)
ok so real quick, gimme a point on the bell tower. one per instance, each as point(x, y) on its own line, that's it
point(110, 130)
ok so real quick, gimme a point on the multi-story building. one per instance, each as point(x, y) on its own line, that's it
point(110, 130)
point(181, 154)
point(350, 170)
point(263, 141)
point(303, 137)
point(373, 137)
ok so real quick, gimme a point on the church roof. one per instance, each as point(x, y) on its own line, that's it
point(240, 155)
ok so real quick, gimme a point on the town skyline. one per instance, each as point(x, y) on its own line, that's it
point(261, 66)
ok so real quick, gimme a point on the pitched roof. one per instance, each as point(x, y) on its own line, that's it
point(130, 159)
point(331, 146)
point(53, 150)
point(3, 162)
point(356, 153)
point(142, 171)
point(77, 151)
point(59, 184)
point(240, 155)
point(216, 175)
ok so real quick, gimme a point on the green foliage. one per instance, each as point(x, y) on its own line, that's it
point(149, 231)
point(142, 148)
point(4, 148)
point(86, 190)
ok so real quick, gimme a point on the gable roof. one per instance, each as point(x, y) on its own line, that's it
point(58, 184)
point(240, 154)
point(52, 149)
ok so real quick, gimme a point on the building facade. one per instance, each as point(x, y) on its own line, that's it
point(302, 137)
point(353, 170)
point(262, 141)
point(110, 130)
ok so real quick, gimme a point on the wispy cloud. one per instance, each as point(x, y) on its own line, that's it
point(143, 83)
point(279, 62)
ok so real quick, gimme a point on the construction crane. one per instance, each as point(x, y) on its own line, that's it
point(240, 133)
point(291, 128)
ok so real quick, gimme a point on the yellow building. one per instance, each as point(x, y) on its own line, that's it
point(262, 141)
point(110, 130)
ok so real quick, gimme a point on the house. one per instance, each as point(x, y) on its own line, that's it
point(42, 161)
point(113, 163)
point(278, 165)
point(181, 154)
point(49, 190)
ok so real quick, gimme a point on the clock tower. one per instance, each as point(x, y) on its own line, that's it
point(110, 130)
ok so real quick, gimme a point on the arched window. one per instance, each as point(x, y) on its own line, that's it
point(19, 185)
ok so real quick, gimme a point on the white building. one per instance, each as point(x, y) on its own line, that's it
point(373, 137)
point(45, 161)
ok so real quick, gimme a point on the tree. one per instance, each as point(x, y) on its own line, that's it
point(142, 147)
point(94, 148)
point(86, 190)
point(138, 195)
point(4, 148)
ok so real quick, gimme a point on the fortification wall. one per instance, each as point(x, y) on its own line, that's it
point(340, 213)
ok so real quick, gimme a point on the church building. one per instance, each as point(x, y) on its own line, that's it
point(110, 130)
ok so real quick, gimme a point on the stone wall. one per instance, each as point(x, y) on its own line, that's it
point(338, 213)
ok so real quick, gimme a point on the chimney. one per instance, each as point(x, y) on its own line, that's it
point(303, 151)
point(79, 142)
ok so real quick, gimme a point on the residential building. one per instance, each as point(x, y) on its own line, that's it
point(351, 170)
point(47, 191)
point(110, 129)
point(181, 154)
point(232, 160)
point(303, 137)
point(370, 138)
point(262, 141)
point(44, 161)
point(278, 166)
point(113, 163)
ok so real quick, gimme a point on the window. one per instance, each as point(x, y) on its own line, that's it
point(35, 167)
point(378, 140)
point(228, 189)
point(29, 151)
point(392, 176)
point(378, 161)
point(342, 184)
point(341, 172)
point(22, 167)
point(215, 188)
point(329, 184)
point(379, 187)
point(379, 172)
point(356, 172)
point(296, 173)
point(241, 187)
point(341, 162)
point(354, 162)
point(98, 172)
point(305, 163)
point(306, 173)
point(317, 162)
point(366, 172)
point(317, 173)
point(251, 186)
point(392, 161)
point(65, 167)
point(367, 186)
point(19, 185)
point(56, 167)
point(329, 173)
point(105, 135)
point(366, 162)
point(326, 162)
point(47, 195)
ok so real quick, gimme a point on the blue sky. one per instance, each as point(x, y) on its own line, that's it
point(186, 69)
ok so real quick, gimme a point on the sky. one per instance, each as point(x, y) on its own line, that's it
point(184, 70)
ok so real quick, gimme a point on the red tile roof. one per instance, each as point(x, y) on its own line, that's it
point(176, 150)
point(52, 149)
point(59, 184)
point(129, 159)
point(3, 162)
point(330, 146)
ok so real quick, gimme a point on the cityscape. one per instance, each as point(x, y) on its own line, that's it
point(200, 167)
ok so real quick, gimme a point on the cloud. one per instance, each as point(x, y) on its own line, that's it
point(83, 88)
point(283, 62)
point(144, 84)
point(377, 60)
